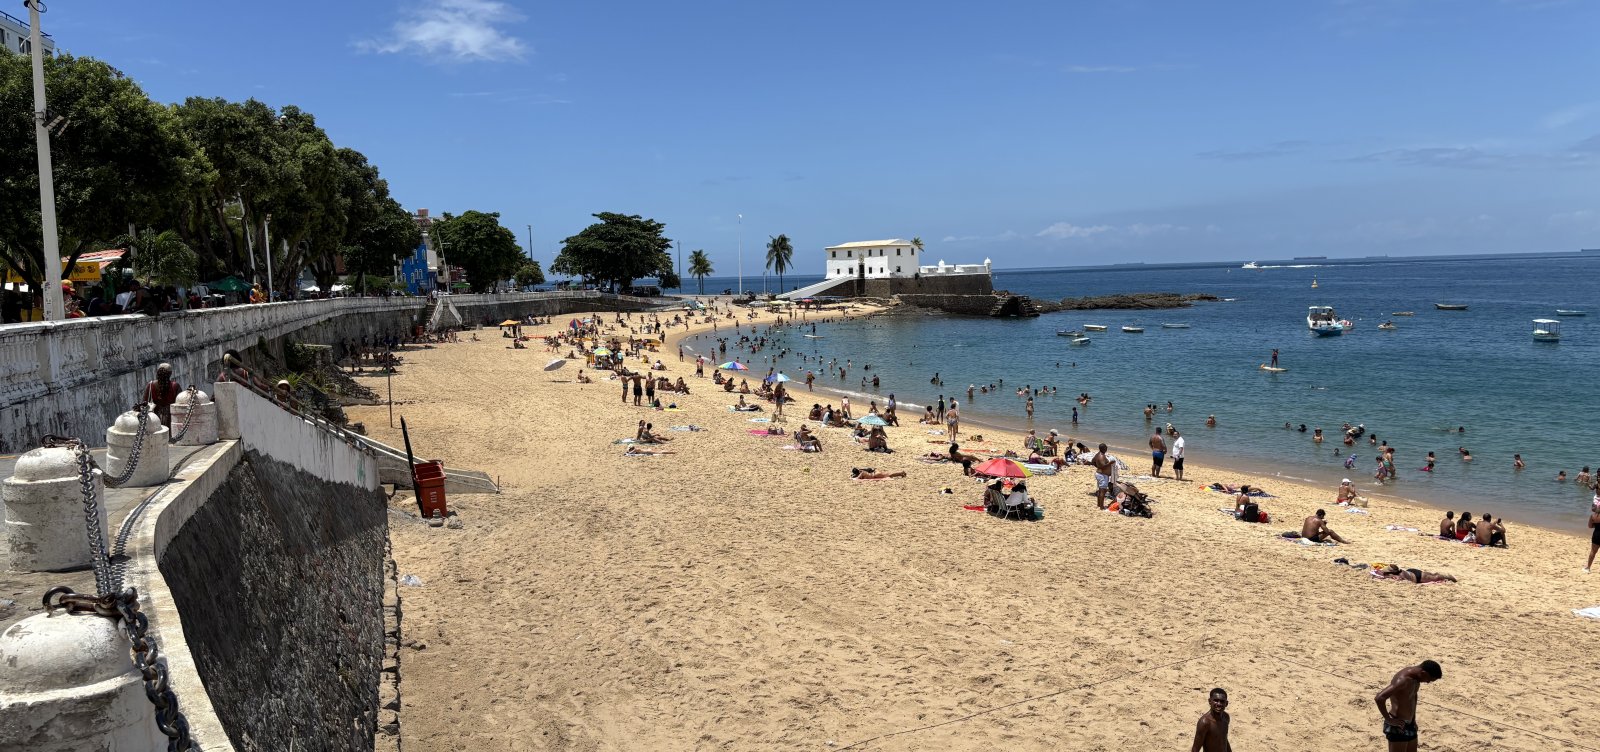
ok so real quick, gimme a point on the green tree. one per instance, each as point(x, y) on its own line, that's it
point(479, 245)
point(620, 248)
point(917, 244)
point(780, 255)
point(118, 158)
point(530, 273)
point(161, 258)
point(700, 268)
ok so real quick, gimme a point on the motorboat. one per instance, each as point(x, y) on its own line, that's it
point(1404, 313)
point(1450, 306)
point(1080, 341)
point(1565, 312)
point(1546, 330)
point(1174, 326)
point(1068, 333)
point(1133, 330)
point(1322, 321)
point(1251, 265)
point(1388, 326)
point(1094, 328)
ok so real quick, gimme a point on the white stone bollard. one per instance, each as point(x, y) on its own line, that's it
point(43, 502)
point(67, 683)
point(152, 469)
point(227, 402)
point(200, 415)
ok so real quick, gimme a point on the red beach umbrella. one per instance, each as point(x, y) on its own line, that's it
point(1001, 467)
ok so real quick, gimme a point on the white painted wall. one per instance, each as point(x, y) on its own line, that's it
point(887, 260)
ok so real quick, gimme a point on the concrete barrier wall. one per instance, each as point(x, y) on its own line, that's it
point(73, 377)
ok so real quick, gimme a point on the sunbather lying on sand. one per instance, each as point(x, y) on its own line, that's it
point(636, 449)
point(1394, 572)
point(867, 473)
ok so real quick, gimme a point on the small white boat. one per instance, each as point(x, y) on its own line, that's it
point(1322, 321)
point(1080, 341)
point(1068, 333)
point(1404, 313)
point(1450, 306)
point(1388, 326)
point(1251, 265)
point(1133, 330)
point(1093, 328)
point(1546, 330)
point(1565, 312)
point(1174, 326)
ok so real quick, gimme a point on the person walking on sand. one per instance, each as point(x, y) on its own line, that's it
point(1158, 453)
point(1594, 532)
point(1177, 455)
point(1397, 703)
point(952, 419)
point(1211, 731)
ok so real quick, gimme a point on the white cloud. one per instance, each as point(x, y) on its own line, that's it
point(1567, 116)
point(1066, 230)
point(453, 31)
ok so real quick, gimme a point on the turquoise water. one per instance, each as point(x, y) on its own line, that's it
point(1478, 368)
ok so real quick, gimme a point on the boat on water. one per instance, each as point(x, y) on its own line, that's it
point(1388, 326)
point(1404, 313)
point(813, 336)
point(1068, 333)
point(1094, 328)
point(1174, 326)
point(1251, 265)
point(1323, 322)
point(1450, 306)
point(1080, 341)
point(1546, 330)
point(1565, 312)
point(1133, 329)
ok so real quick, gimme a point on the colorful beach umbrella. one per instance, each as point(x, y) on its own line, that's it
point(1001, 467)
point(555, 364)
point(734, 365)
point(601, 352)
point(873, 420)
point(777, 377)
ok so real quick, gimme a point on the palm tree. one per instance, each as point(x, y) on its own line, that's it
point(780, 254)
point(917, 244)
point(699, 267)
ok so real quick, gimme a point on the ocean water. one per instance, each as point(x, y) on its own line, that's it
point(1412, 387)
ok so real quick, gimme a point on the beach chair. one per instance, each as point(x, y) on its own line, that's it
point(1017, 503)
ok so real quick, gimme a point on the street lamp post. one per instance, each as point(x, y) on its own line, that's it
point(54, 306)
point(266, 232)
point(741, 255)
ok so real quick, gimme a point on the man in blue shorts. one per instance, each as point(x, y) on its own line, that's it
point(1158, 453)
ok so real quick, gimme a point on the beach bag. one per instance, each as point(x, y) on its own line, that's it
point(1264, 518)
point(1038, 513)
point(1251, 513)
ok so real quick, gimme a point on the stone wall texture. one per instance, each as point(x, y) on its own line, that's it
point(973, 305)
point(280, 580)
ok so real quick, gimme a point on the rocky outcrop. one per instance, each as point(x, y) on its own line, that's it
point(1136, 301)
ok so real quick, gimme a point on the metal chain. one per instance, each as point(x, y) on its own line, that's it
point(138, 445)
point(147, 656)
point(188, 416)
point(91, 510)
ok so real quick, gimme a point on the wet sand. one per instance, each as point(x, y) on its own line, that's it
point(736, 595)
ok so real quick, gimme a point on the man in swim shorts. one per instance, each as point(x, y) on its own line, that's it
point(1158, 453)
point(1398, 704)
point(1105, 466)
point(1315, 529)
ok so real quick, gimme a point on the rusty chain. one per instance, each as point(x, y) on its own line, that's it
point(138, 445)
point(147, 656)
point(188, 416)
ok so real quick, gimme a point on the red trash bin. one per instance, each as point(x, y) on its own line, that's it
point(430, 489)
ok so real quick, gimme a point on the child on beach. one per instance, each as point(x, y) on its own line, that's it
point(1211, 731)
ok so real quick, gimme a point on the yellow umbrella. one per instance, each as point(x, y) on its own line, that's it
point(510, 322)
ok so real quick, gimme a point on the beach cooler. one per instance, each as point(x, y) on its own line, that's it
point(430, 488)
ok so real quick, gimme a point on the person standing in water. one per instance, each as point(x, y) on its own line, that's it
point(1274, 357)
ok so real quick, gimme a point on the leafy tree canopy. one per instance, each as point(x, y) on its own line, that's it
point(477, 243)
point(620, 248)
point(530, 273)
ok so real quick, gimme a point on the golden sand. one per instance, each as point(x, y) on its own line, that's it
point(736, 595)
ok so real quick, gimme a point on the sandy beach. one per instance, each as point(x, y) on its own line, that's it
point(739, 595)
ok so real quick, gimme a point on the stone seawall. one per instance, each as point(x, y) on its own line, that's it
point(972, 305)
point(279, 576)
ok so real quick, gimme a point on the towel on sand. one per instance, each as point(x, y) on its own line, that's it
point(1592, 612)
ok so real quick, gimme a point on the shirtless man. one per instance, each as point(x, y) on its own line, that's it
point(1105, 468)
point(1447, 526)
point(1158, 453)
point(1398, 704)
point(1315, 529)
point(1211, 731)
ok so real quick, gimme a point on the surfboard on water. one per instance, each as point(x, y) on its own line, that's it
point(1272, 369)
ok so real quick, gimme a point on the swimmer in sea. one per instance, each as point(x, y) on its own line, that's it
point(1466, 456)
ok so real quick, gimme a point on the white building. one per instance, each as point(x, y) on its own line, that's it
point(14, 36)
point(873, 259)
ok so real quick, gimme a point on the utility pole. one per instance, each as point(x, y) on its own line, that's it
point(530, 247)
point(266, 229)
point(741, 255)
point(679, 246)
point(54, 306)
point(249, 236)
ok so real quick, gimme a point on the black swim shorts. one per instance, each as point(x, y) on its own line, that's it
point(1177, 463)
point(1400, 732)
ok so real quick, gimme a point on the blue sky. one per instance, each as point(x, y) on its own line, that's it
point(1033, 133)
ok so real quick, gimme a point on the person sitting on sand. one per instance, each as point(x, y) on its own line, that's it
point(584, 379)
point(1464, 526)
point(966, 460)
point(1447, 526)
point(806, 440)
point(928, 417)
point(815, 413)
point(649, 436)
point(878, 441)
point(1418, 576)
point(890, 417)
point(727, 386)
point(1315, 529)
point(867, 473)
point(1052, 444)
point(1347, 493)
point(744, 386)
point(1490, 532)
point(682, 386)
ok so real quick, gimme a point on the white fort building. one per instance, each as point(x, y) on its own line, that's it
point(882, 259)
